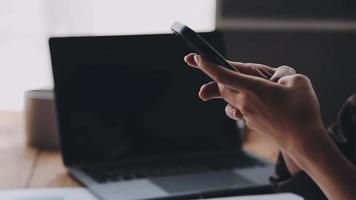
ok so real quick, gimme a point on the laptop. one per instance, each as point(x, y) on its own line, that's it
point(133, 127)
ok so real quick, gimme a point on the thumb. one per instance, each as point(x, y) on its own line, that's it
point(281, 72)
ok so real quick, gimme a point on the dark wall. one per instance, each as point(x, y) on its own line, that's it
point(291, 9)
point(328, 58)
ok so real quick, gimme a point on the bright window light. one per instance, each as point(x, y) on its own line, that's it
point(26, 25)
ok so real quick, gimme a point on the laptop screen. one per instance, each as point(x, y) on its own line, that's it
point(127, 98)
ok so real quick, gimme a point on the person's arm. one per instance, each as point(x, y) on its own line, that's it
point(328, 167)
point(271, 109)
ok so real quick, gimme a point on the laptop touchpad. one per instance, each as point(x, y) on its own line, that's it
point(201, 182)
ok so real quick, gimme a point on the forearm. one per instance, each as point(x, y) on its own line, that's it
point(327, 166)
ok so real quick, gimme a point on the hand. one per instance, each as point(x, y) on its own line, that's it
point(282, 110)
point(288, 112)
point(210, 91)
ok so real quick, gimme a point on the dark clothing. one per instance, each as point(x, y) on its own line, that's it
point(343, 133)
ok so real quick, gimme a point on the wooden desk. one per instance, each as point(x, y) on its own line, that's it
point(22, 166)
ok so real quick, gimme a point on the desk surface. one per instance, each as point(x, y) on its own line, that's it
point(22, 166)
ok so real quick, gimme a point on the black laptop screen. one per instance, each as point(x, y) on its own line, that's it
point(128, 98)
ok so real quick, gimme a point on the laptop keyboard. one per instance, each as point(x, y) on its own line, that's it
point(113, 174)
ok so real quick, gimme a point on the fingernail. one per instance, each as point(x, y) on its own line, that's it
point(200, 93)
point(201, 97)
point(234, 112)
point(196, 58)
point(195, 63)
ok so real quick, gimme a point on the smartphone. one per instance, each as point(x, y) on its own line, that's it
point(200, 46)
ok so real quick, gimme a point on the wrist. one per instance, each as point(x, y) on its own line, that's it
point(321, 159)
point(316, 153)
point(314, 144)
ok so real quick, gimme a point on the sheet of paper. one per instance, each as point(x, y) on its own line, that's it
point(84, 194)
point(281, 196)
point(47, 194)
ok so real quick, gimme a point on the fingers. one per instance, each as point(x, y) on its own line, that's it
point(294, 80)
point(215, 90)
point(233, 80)
point(281, 72)
point(214, 71)
point(233, 112)
point(189, 59)
point(209, 91)
point(239, 104)
point(229, 95)
point(254, 69)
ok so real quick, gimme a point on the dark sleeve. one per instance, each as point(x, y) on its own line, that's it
point(300, 184)
point(343, 132)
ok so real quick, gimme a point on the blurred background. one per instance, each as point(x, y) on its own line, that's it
point(25, 27)
point(316, 37)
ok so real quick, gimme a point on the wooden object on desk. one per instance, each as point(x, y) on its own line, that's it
point(50, 172)
point(22, 166)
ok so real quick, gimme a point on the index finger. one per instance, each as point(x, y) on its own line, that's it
point(259, 70)
point(231, 79)
point(255, 69)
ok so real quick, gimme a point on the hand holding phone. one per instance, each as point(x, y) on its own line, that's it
point(200, 46)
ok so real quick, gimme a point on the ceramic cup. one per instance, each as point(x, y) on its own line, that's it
point(41, 120)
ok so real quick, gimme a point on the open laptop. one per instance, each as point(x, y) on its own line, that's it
point(132, 125)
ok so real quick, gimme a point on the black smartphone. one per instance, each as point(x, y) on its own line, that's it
point(200, 46)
